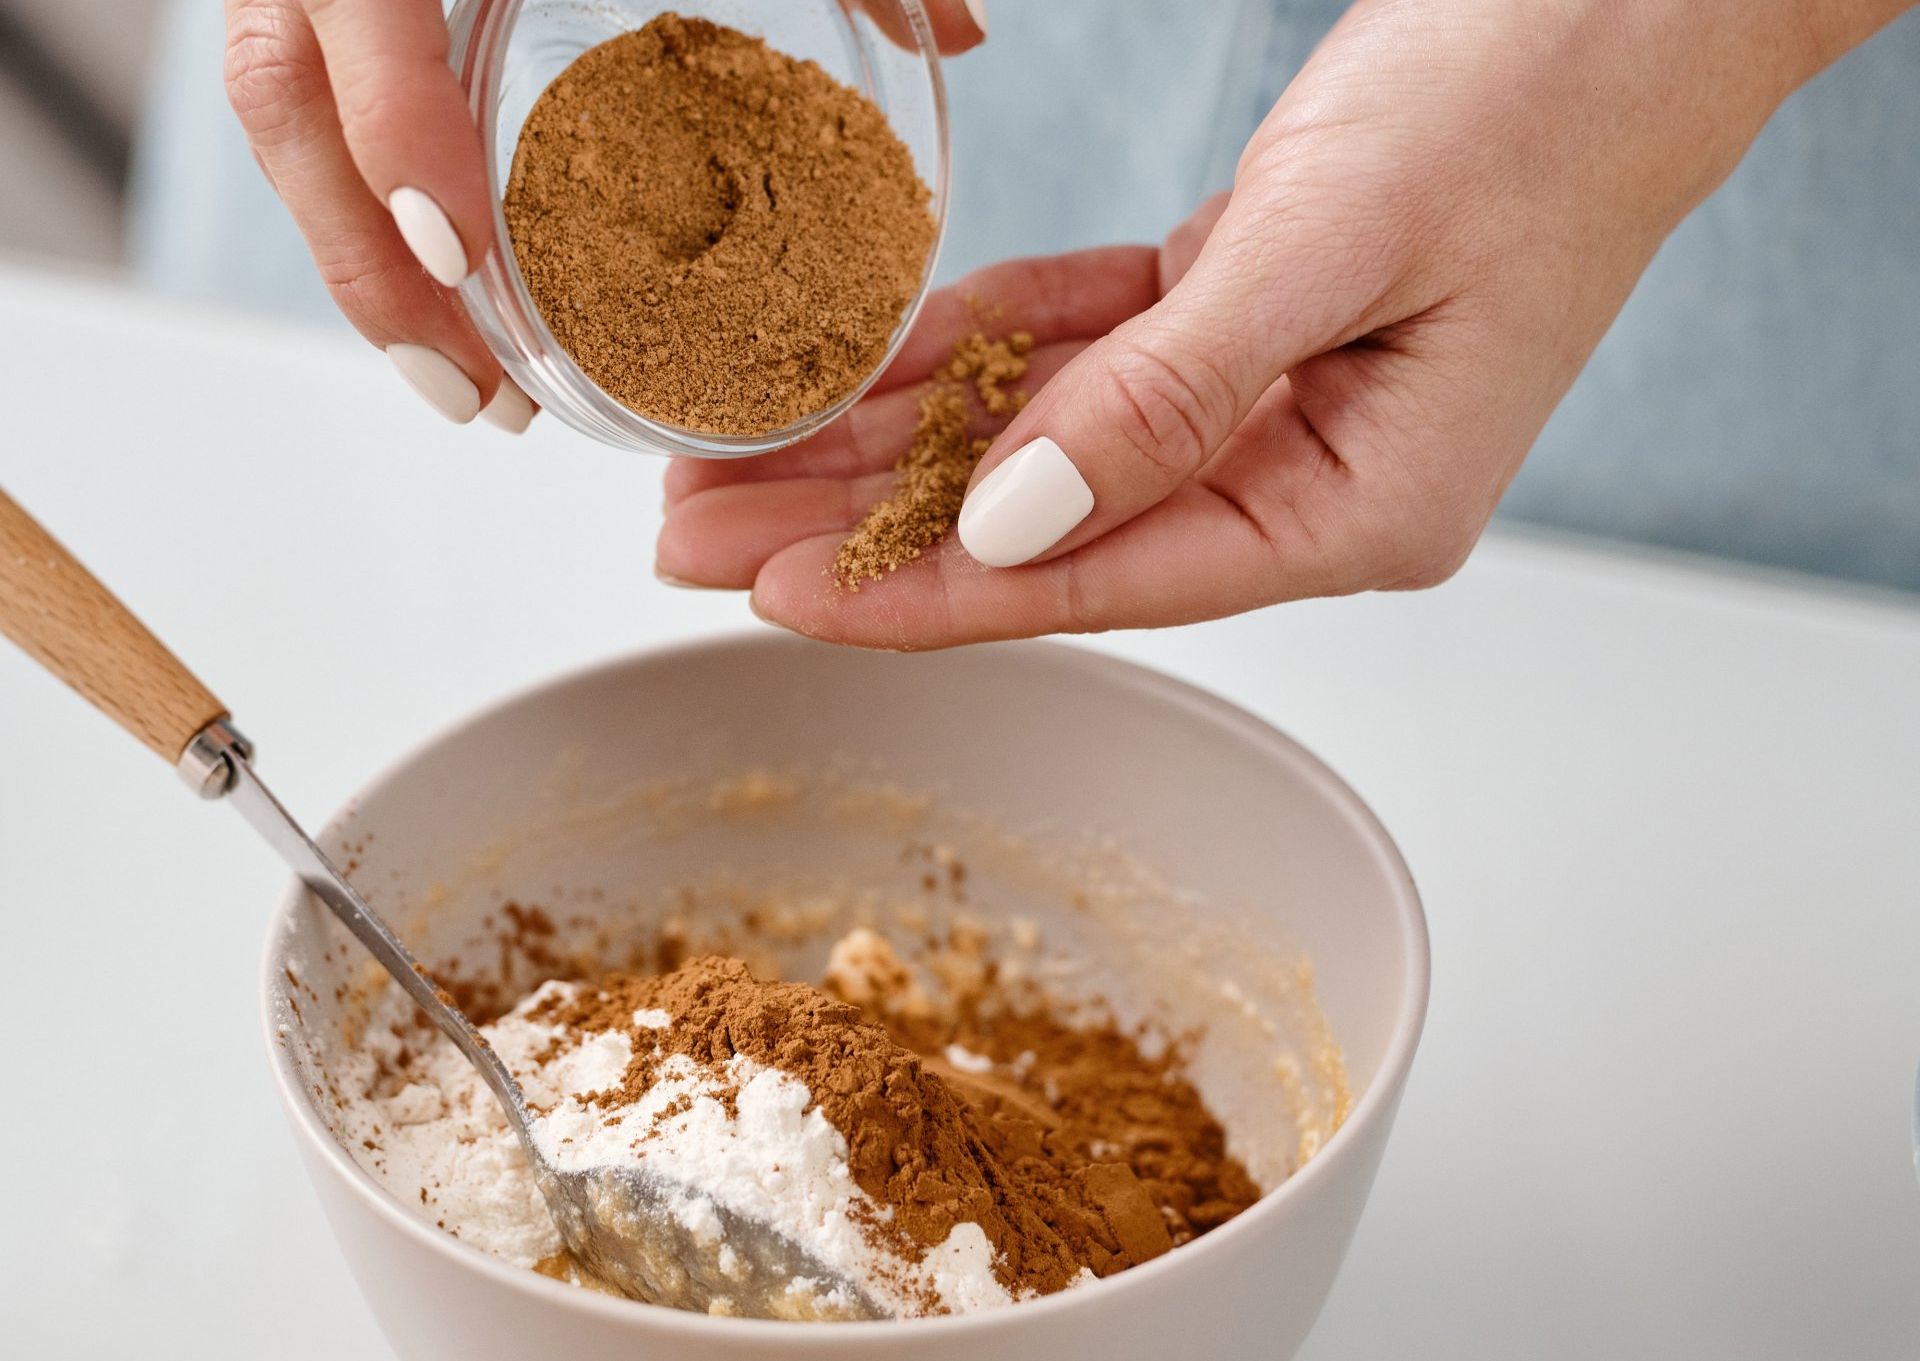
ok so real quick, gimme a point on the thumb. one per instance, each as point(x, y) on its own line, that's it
point(1184, 244)
point(1138, 412)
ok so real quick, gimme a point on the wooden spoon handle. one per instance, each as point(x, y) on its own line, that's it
point(72, 625)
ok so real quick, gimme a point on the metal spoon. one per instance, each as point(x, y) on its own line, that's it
point(618, 1222)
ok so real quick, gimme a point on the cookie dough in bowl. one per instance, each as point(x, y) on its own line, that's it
point(1054, 1004)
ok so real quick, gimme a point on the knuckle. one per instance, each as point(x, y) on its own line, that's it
point(1073, 597)
point(349, 274)
point(1167, 410)
point(271, 73)
point(375, 105)
point(1083, 607)
point(367, 288)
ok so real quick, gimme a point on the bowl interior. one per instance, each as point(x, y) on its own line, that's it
point(1149, 846)
point(509, 51)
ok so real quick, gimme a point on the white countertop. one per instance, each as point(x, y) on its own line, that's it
point(1666, 820)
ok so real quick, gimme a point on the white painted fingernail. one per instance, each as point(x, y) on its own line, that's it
point(429, 235)
point(978, 9)
point(679, 583)
point(438, 379)
point(511, 409)
point(1025, 506)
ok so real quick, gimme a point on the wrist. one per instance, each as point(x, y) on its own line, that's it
point(1823, 31)
point(1605, 120)
point(1717, 70)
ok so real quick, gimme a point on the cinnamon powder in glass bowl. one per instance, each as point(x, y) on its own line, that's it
point(717, 224)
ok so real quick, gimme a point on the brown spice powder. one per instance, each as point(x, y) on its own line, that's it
point(1112, 1104)
point(1003, 1157)
point(930, 480)
point(1107, 1100)
point(723, 238)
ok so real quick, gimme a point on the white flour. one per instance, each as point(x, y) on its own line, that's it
point(441, 1146)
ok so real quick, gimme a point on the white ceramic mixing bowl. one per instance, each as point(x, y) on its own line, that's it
point(1269, 842)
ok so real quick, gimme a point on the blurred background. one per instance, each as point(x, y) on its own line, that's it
point(1758, 399)
point(73, 76)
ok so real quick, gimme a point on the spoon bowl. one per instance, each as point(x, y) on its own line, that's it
point(621, 1226)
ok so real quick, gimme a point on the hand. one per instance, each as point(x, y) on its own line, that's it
point(355, 116)
point(1322, 385)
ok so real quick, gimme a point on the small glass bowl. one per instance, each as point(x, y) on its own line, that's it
point(506, 52)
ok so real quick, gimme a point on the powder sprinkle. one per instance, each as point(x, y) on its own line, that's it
point(930, 479)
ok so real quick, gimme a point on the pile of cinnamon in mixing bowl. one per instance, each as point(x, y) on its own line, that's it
point(724, 238)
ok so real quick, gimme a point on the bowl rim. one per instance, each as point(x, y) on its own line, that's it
point(1374, 1106)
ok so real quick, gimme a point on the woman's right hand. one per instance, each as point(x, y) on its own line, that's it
point(1319, 386)
point(363, 128)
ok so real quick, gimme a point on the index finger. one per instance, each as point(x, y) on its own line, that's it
point(1190, 558)
point(407, 125)
point(1077, 296)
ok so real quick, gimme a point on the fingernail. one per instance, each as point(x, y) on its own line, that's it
point(978, 9)
point(680, 583)
point(511, 409)
point(1025, 506)
point(438, 379)
point(429, 235)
